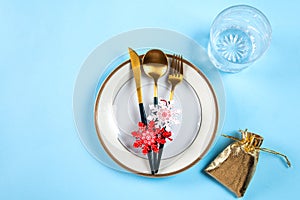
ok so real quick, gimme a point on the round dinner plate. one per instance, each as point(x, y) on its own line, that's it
point(116, 116)
point(120, 93)
point(107, 69)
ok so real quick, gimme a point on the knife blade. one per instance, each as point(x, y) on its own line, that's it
point(136, 68)
point(135, 65)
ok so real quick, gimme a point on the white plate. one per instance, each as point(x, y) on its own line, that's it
point(126, 112)
point(117, 115)
point(106, 57)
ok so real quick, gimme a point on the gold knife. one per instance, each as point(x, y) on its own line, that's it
point(135, 65)
point(136, 68)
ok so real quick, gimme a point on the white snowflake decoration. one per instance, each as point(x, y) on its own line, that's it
point(164, 114)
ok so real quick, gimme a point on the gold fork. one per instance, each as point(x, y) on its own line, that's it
point(176, 73)
point(175, 77)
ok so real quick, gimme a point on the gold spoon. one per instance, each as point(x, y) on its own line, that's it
point(155, 65)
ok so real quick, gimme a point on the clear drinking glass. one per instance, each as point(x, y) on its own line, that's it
point(239, 35)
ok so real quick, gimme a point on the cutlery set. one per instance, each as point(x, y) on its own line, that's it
point(155, 65)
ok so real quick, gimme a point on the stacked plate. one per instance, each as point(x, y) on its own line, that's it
point(106, 109)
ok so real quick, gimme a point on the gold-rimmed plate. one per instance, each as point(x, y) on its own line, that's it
point(111, 54)
point(116, 116)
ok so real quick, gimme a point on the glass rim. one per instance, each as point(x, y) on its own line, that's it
point(263, 16)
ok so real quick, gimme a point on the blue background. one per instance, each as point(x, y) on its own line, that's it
point(42, 47)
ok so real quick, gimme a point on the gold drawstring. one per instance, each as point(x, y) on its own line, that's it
point(262, 149)
point(276, 153)
point(230, 137)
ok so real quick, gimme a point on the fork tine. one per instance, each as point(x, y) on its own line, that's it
point(178, 66)
point(181, 69)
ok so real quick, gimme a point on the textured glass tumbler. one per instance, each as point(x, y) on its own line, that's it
point(239, 35)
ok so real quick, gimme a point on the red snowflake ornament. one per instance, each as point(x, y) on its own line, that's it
point(146, 137)
point(163, 135)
